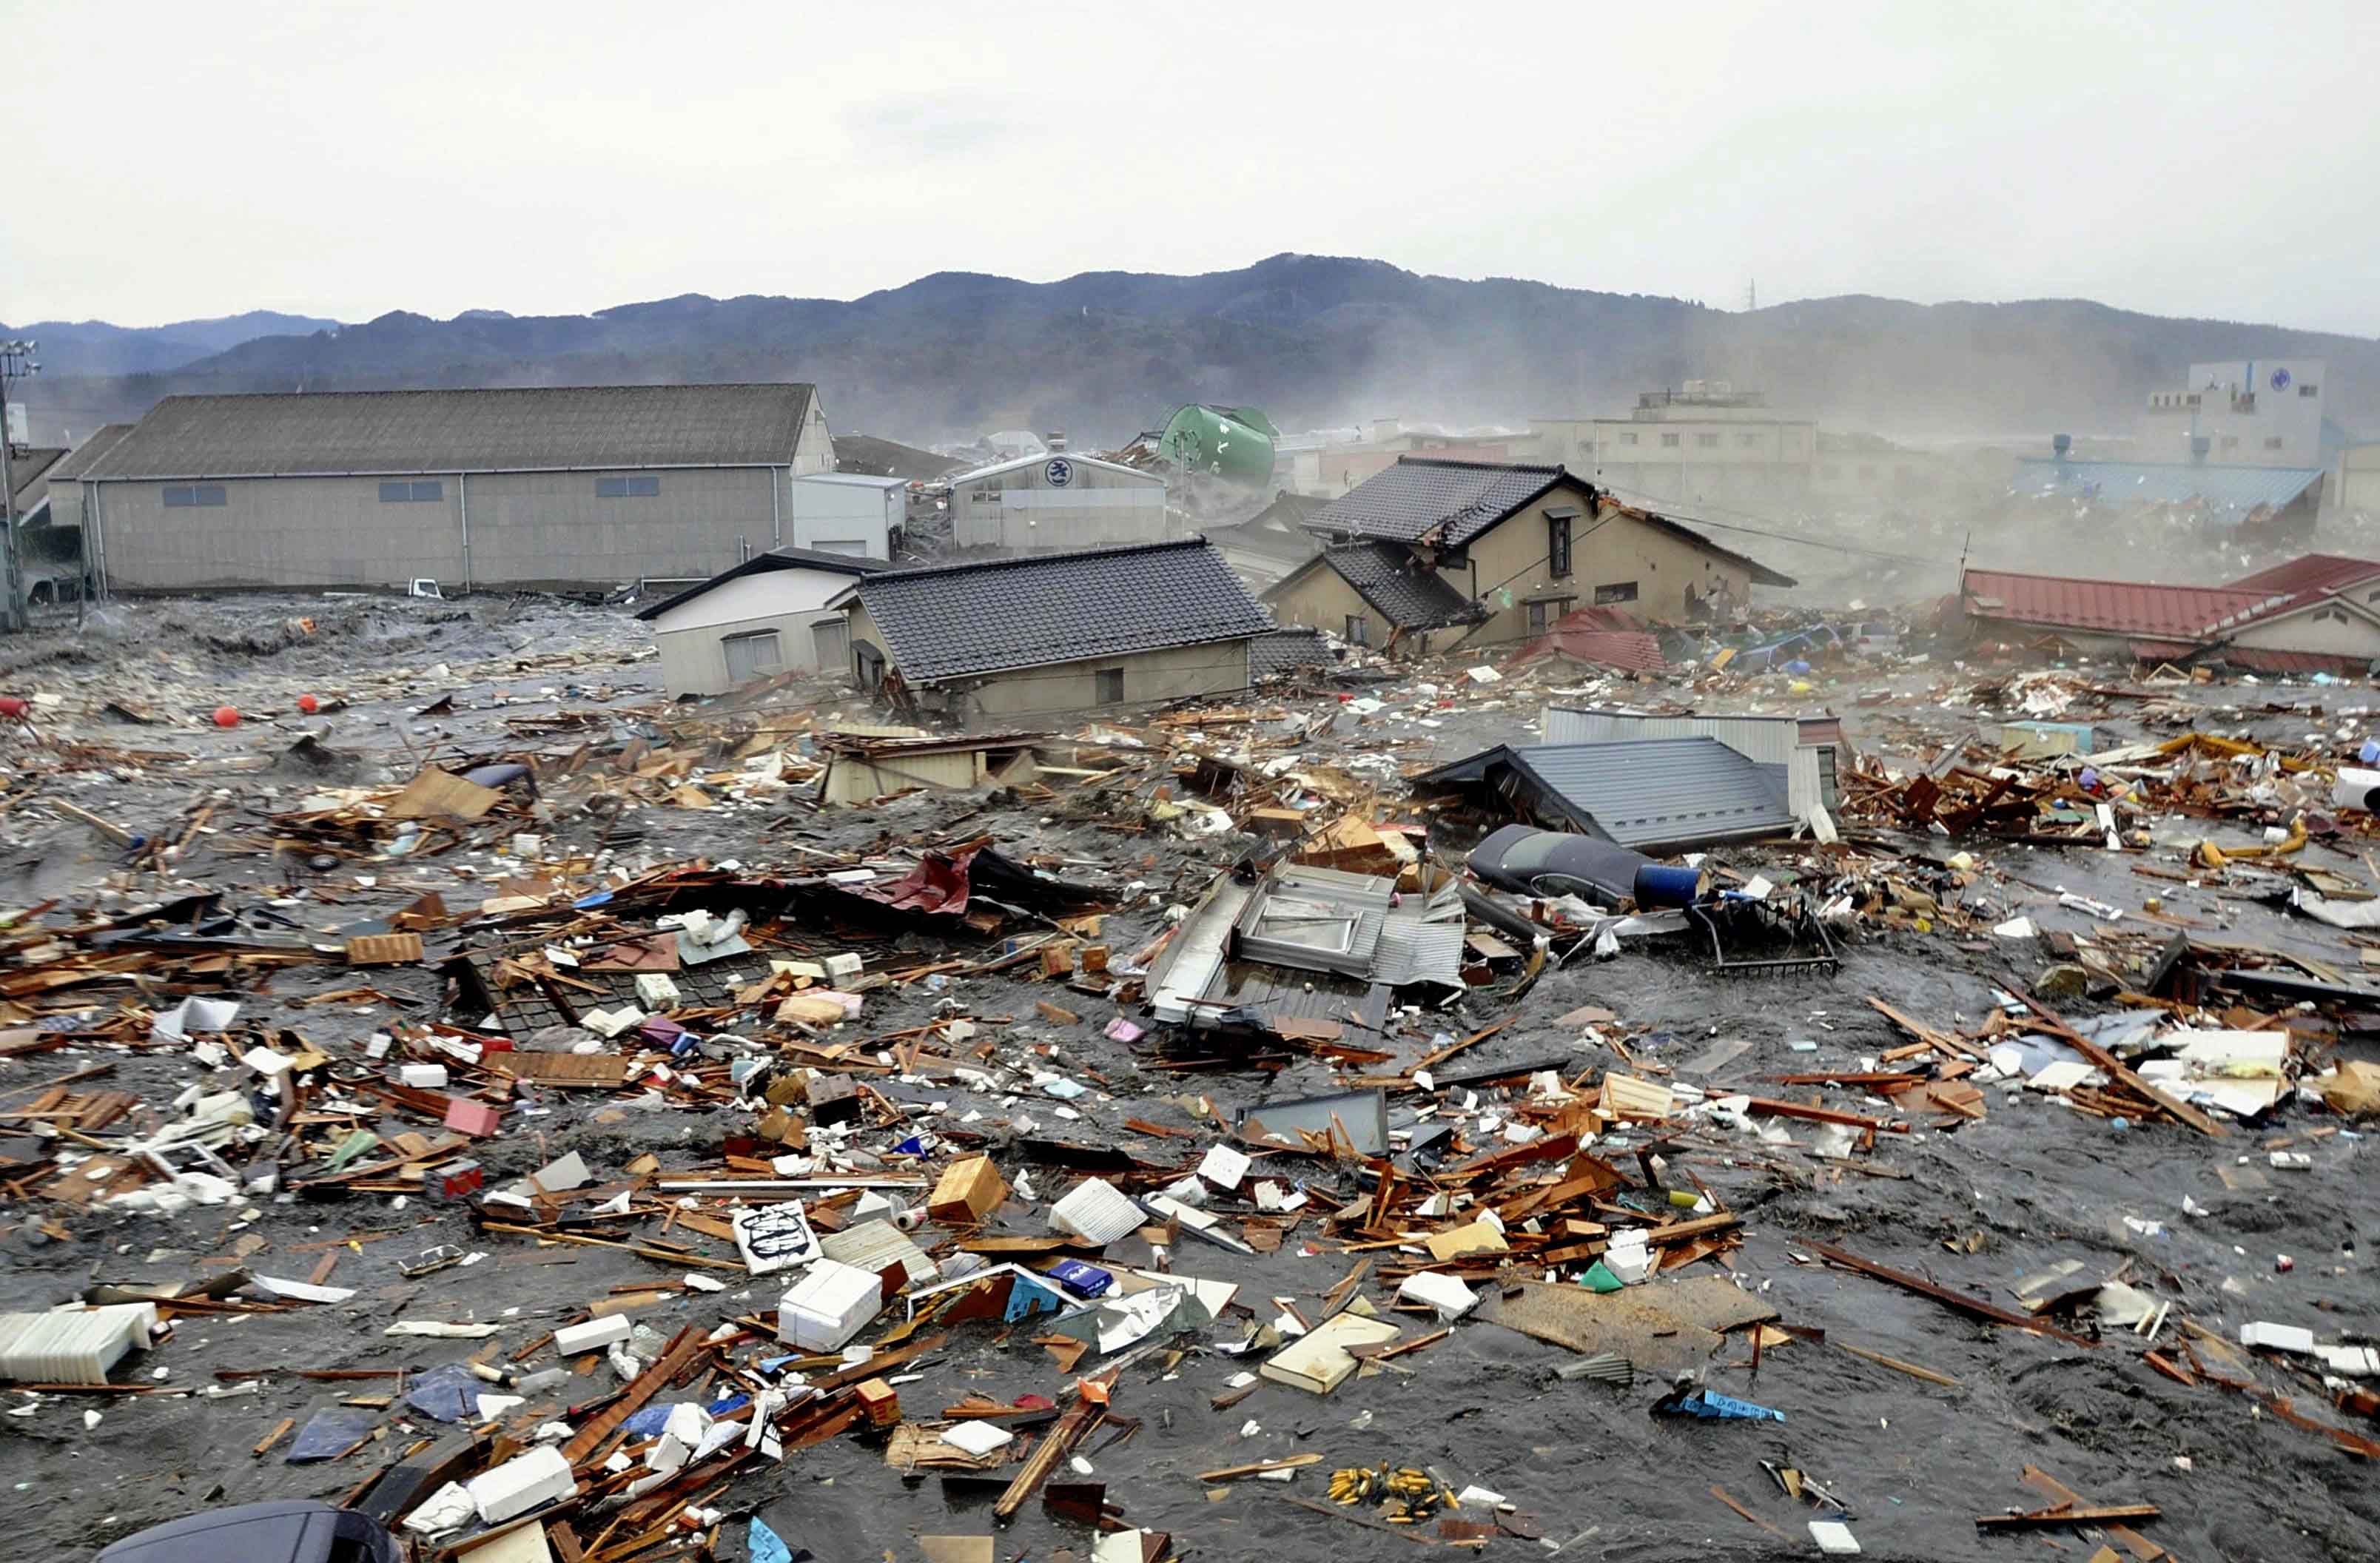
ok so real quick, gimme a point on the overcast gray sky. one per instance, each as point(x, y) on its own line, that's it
point(332, 158)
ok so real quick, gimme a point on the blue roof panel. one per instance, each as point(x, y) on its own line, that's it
point(2234, 489)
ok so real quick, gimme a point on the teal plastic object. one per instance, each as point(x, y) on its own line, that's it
point(1233, 443)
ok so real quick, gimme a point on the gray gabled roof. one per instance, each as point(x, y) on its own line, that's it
point(1398, 587)
point(30, 470)
point(578, 427)
point(83, 457)
point(773, 560)
point(1649, 793)
point(1419, 495)
point(1008, 614)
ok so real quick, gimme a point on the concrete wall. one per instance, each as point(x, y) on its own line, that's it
point(2325, 627)
point(2355, 487)
point(1605, 551)
point(823, 512)
point(814, 446)
point(1019, 509)
point(526, 529)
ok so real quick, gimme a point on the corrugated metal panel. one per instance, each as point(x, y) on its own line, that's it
point(1418, 952)
point(1770, 740)
point(2310, 573)
point(2157, 612)
point(2236, 489)
point(1661, 792)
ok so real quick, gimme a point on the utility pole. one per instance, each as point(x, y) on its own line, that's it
point(17, 362)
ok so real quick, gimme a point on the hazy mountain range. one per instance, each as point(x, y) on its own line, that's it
point(1316, 340)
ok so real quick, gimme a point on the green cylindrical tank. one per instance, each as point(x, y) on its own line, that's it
point(1233, 443)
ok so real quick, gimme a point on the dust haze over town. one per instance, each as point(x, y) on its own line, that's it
point(975, 785)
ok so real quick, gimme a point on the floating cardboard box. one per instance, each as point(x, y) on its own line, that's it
point(1318, 1360)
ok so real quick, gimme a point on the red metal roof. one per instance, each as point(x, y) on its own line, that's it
point(2310, 573)
point(1631, 652)
point(2159, 613)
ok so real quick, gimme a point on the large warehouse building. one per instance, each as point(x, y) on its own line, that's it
point(560, 487)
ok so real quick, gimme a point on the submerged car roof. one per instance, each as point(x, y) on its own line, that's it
point(290, 1530)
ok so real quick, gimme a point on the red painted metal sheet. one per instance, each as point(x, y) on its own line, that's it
point(2159, 613)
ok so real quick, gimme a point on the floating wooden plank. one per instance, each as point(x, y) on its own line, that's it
point(2066, 1514)
point(384, 950)
point(2116, 1069)
point(1942, 1294)
point(592, 1071)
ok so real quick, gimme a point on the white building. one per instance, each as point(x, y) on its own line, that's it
point(2251, 412)
point(1043, 503)
point(849, 513)
point(767, 615)
point(1706, 441)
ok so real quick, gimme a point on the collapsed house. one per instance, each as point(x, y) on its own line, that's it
point(1801, 754)
point(1653, 794)
point(2316, 614)
point(1524, 544)
point(1055, 633)
point(1402, 599)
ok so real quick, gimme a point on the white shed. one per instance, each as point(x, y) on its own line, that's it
point(767, 615)
point(848, 512)
point(1056, 502)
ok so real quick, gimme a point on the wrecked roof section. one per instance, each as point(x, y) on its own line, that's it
point(1397, 586)
point(1418, 496)
point(1005, 614)
point(1647, 794)
point(767, 563)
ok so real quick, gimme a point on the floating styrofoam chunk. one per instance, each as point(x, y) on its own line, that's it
point(1442, 1293)
point(571, 1340)
point(2277, 1337)
point(2351, 1362)
point(1223, 1166)
point(538, 1477)
point(73, 1345)
point(1093, 1211)
point(829, 1306)
point(774, 1237)
point(976, 1436)
point(1834, 1537)
point(423, 1077)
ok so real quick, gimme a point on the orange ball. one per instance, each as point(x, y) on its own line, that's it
point(308, 704)
point(226, 716)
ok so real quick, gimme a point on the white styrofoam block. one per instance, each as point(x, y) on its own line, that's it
point(843, 966)
point(828, 1306)
point(1093, 1211)
point(1442, 1293)
point(2279, 1338)
point(1625, 1255)
point(1834, 1537)
point(977, 1436)
point(73, 1345)
point(423, 1077)
point(655, 990)
point(593, 1336)
point(538, 1477)
point(1223, 1166)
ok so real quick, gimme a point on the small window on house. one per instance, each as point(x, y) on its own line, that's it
point(1627, 439)
point(1557, 545)
point(183, 496)
point(1708, 442)
point(645, 487)
point(1669, 439)
point(1747, 441)
point(751, 655)
point(1359, 630)
point(2231, 442)
point(1618, 591)
point(423, 491)
point(1110, 686)
point(2271, 441)
point(2309, 390)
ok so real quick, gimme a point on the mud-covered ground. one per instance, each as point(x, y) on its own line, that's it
point(1914, 1462)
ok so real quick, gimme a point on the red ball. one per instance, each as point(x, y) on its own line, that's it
point(226, 716)
point(10, 706)
point(308, 704)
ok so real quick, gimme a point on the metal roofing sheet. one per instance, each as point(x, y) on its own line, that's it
point(2160, 613)
point(2229, 488)
point(1043, 609)
point(2310, 573)
point(1402, 502)
point(572, 427)
point(1646, 794)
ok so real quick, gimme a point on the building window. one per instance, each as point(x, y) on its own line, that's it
point(2271, 441)
point(411, 493)
point(1557, 545)
point(1111, 686)
point(1359, 630)
point(1747, 441)
point(186, 495)
point(1547, 611)
point(1708, 442)
point(1668, 440)
point(1627, 438)
point(1618, 591)
point(645, 487)
point(750, 655)
point(2231, 442)
point(2309, 390)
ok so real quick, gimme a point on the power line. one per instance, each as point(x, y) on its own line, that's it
point(1758, 532)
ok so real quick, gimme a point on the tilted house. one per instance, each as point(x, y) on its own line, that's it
point(1526, 544)
point(1066, 632)
point(1401, 599)
point(766, 615)
point(572, 486)
point(2319, 613)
